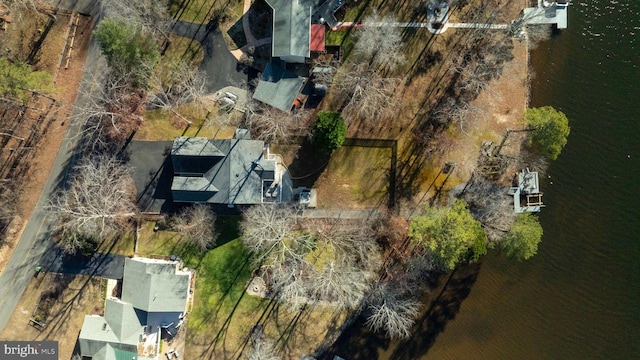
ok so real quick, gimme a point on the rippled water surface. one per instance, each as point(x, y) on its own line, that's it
point(579, 298)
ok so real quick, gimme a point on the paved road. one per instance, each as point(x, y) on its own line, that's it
point(35, 239)
point(35, 245)
point(219, 64)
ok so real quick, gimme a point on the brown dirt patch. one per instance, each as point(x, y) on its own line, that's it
point(50, 137)
point(78, 295)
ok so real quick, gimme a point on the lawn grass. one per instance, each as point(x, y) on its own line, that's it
point(223, 314)
point(185, 49)
point(356, 177)
point(162, 125)
point(121, 244)
point(166, 125)
point(202, 11)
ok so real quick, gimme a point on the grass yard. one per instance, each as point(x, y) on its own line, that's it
point(356, 177)
point(223, 314)
point(182, 48)
point(166, 125)
point(118, 244)
point(202, 11)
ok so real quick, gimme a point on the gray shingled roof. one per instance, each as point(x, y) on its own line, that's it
point(291, 27)
point(233, 179)
point(120, 326)
point(279, 87)
point(154, 286)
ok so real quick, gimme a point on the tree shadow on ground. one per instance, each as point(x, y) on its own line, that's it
point(308, 165)
point(443, 308)
point(357, 342)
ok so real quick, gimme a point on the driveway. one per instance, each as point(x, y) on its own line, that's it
point(152, 173)
point(220, 66)
point(109, 266)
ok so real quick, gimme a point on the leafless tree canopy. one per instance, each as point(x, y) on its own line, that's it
point(391, 312)
point(379, 42)
point(330, 68)
point(491, 205)
point(261, 347)
point(265, 231)
point(99, 201)
point(537, 34)
point(275, 126)
point(150, 14)
point(9, 196)
point(312, 260)
point(368, 95)
point(112, 111)
point(176, 84)
point(196, 224)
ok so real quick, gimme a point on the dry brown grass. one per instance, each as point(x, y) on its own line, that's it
point(355, 178)
point(83, 295)
point(66, 87)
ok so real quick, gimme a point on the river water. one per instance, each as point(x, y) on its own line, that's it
point(579, 297)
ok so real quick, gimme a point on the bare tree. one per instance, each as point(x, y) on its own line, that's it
point(327, 69)
point(320, 261)
point(224, 116)
point(261, 347)
point(340, 282)
point(536, 34)
point(391, 312)
point(491, 205)
point(456, 111)
point(112, 110)
point(369, 96)
point(9, 196)
point(152, 15)
point(266, 230)
point(172, 85)
point(379, 42)
point(196, 224)
point(99, 200)
point(275, 126)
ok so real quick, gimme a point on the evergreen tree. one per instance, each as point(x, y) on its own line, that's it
point(128, 50)
point(329, 131)
point(18, 78)
point(523, 238)
point(550, 130)
point(450, 235)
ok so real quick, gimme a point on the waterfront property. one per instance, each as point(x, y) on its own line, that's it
point(548, 12)
point(527, 196)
